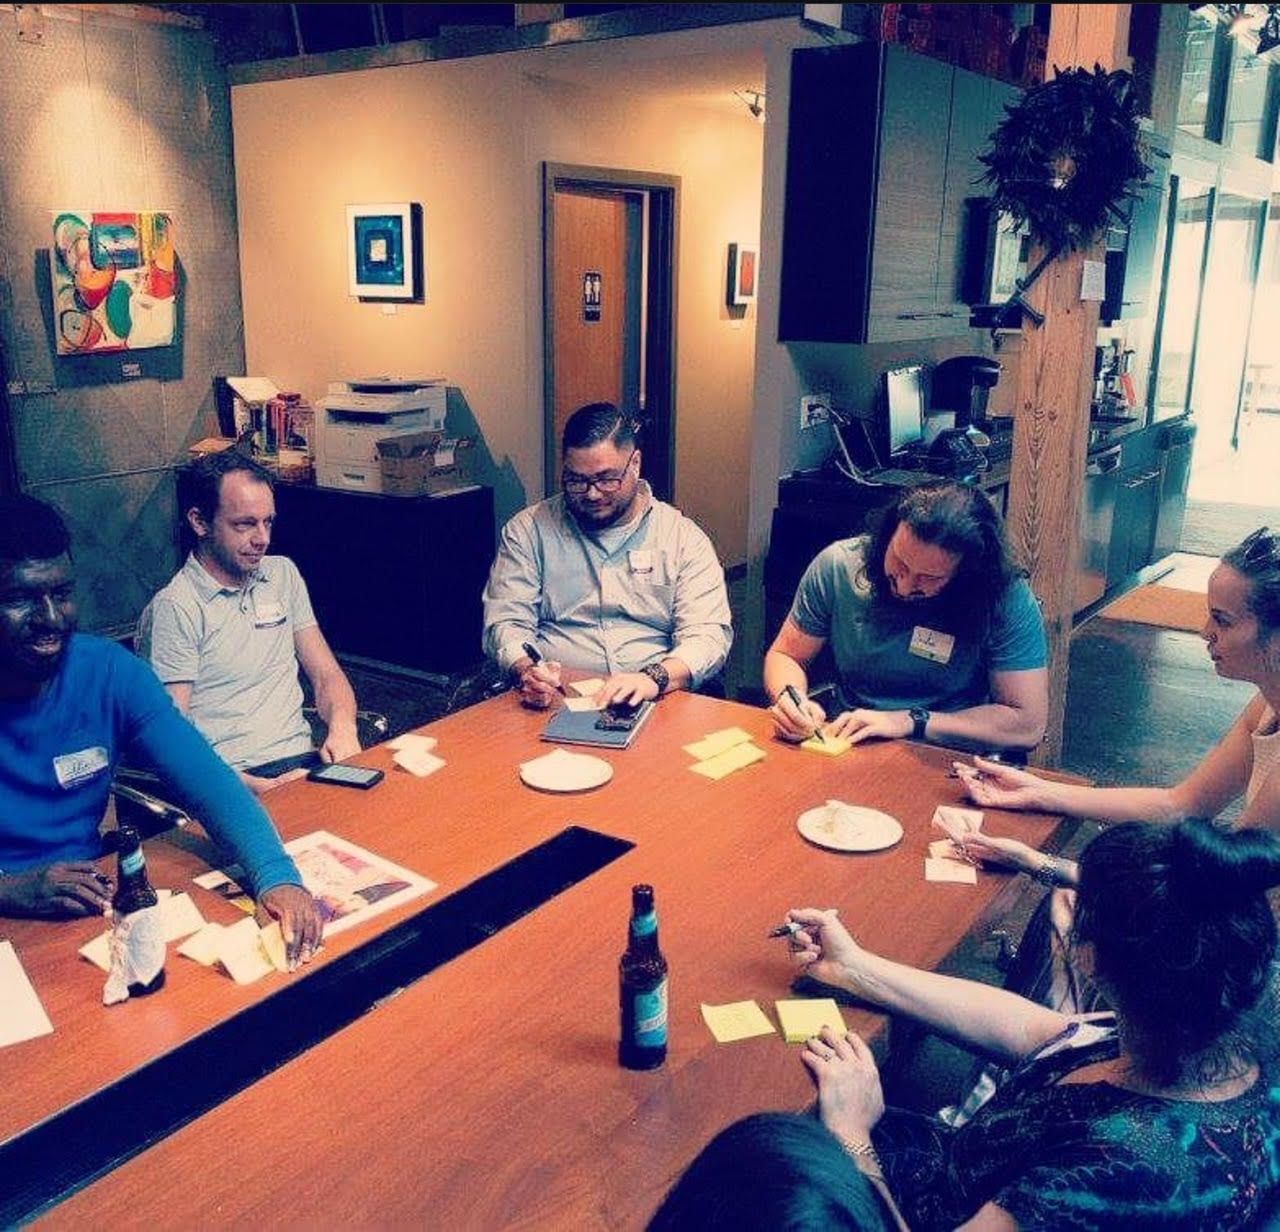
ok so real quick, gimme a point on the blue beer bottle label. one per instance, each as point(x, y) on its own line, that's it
point(651, 1017)
point(644, 925)
point(131, 863)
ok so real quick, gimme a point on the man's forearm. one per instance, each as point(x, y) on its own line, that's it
point(781, 670)
point(989, 726)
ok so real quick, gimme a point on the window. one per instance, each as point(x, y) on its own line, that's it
point(1204, 78)
point(1251, 114)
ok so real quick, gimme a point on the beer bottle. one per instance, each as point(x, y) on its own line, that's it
point(642, 984)
point(137, 943)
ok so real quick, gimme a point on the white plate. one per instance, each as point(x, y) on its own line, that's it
point(849, 827)
point(561, 770)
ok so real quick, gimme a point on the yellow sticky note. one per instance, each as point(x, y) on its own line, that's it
point(950, 870)
point(801, 1019)
point(730, 760)
point(832, 746)
point(738, 1021)
point(716, 743)
point(272, 941)
point(203, 947)
point(587, 688)
point(957, 823)
point(944, 849)
point(181, 916)
point(240, 951)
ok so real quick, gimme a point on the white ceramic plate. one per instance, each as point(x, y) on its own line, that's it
point(561, 770)
point(849, 827)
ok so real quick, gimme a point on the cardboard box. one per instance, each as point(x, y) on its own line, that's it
point(422, 463)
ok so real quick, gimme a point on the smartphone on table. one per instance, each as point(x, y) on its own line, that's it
point(345, 776)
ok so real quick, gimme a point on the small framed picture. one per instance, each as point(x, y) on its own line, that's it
point(384, 251)
point(743, 262)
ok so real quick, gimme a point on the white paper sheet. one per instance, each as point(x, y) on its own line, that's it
point(23, 1017)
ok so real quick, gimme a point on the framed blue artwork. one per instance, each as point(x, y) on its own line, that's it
point(384, 251)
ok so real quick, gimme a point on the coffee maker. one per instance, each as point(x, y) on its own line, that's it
point(962, 384)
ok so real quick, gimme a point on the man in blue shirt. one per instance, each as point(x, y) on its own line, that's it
point(935, 634)
point(69, 703)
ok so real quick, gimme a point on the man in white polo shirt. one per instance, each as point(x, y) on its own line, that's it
point(227, 634)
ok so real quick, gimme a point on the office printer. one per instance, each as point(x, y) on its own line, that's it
point(355, 415)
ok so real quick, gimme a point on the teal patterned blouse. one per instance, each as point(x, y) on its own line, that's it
point(1090, 1155)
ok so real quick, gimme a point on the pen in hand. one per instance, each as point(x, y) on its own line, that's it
point(532, 651)
point(794, 695)
point(789, 929)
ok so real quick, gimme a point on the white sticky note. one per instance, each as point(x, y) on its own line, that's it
point(950, 870)
point(98, 951)
point(409, 741)
point(944, 849)
point(418, 761)
point(581, 703)
point(587, 688)
point(181, 917)
point(957, 823)
point(801, 1019)
point(737, 1021)
point(24, 1017)
point(203, 947)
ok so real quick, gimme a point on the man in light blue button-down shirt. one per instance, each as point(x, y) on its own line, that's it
point(606, 579)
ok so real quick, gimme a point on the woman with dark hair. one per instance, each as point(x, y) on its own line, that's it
point(1164, 1114)
point(773, 1170)
point(935, 633)
point(1242, 634)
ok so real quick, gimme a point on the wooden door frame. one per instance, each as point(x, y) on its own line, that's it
point(659, 323)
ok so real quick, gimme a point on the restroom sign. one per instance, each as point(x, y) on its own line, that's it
point(591, 295)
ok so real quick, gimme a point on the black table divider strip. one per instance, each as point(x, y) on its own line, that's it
point(53, 1159)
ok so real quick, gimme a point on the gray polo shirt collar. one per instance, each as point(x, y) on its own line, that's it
point(208, 587)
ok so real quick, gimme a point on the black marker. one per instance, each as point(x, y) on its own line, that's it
point(790, 691)
point(532, 651)
point(789, 929)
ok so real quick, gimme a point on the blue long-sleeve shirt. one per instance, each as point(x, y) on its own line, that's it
point(59, 750)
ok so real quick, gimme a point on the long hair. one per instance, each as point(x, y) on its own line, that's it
point(958, 519)
point(1183, 940)
point(773, 1170)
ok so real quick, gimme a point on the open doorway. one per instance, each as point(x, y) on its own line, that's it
point(609, 244)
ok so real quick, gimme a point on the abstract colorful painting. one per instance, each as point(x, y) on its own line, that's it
point(115, 281)
point(384, 251)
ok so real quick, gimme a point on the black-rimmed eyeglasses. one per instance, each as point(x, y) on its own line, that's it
point(606, 482)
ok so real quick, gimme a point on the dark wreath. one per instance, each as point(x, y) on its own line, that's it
point(1064, 158)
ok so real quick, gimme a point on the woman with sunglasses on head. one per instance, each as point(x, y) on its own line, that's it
point(1163, 1114)
point(1242, 633)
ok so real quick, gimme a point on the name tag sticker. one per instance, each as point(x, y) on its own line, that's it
point(641, 561)
point(268, 616)
point(932, 645)
point(72, 769)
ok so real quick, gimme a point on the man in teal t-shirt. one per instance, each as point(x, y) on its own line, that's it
point(934, 632)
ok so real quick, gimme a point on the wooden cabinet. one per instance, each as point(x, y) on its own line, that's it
point(882, 152)
point(396, 579)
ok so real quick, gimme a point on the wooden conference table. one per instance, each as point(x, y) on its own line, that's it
point(487, 1093)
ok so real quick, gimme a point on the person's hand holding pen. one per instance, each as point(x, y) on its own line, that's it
point(539, 678)
point(796, 718)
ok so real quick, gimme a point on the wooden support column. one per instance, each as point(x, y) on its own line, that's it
point(1055, 384)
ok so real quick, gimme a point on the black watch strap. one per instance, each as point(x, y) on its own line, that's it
point(658, 674)
point(919, 721)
